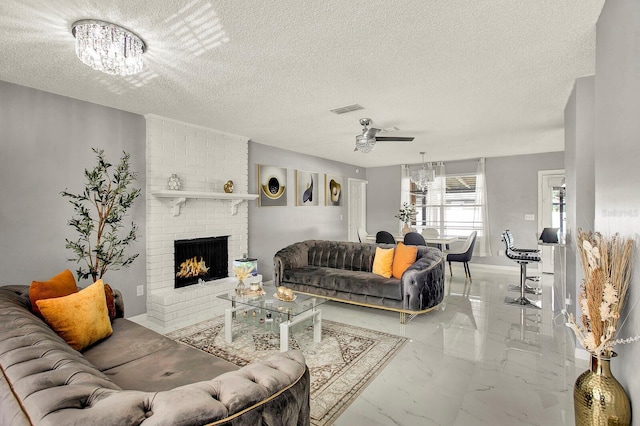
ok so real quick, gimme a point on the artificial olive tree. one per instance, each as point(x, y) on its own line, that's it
point(100, 210)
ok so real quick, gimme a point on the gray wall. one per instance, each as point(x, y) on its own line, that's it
point(512, 192)
point(383, 199)
point(579, 174)
point(272, 228)
point(617, 150)
point(45, 145)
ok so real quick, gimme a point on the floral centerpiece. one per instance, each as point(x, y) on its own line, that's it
point(407, 213)
point(242, 273)
point(606, 262)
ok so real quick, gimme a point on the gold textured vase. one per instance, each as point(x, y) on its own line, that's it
point(598, 398)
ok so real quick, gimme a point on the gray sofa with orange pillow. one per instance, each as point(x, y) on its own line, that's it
point(136, 377)
point(342, 271)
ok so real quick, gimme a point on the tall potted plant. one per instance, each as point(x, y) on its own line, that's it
point(100, 210)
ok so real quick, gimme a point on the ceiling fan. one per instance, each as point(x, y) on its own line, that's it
point(367, 140)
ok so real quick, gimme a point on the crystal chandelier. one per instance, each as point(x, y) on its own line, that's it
point(365, 144)
point(423, 177)
point(107, 47)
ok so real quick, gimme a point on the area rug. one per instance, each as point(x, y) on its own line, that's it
point(341, 366)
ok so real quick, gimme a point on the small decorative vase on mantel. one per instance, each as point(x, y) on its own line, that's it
point(598, 398)
point(406, 229)
point(174, 182)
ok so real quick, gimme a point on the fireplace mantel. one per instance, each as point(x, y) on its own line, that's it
point(180, 197)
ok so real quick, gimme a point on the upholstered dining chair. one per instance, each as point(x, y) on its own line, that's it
point(385, 237)
point(414, 239)
point(430, 232)
point(463, 254)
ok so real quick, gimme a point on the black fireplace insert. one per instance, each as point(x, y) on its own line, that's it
point(200, 258)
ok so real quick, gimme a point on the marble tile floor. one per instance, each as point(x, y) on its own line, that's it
point(474, 361)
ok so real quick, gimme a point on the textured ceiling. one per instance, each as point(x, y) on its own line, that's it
point(467, 79)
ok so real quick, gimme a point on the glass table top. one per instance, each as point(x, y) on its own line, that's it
point(302, 302)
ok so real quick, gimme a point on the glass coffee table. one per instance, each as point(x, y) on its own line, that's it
point(303, 307)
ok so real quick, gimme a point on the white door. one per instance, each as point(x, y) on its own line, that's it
point(357, 207)
point(548, 216)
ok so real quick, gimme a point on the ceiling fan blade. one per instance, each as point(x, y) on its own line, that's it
point(371, 132)
point(393, 139)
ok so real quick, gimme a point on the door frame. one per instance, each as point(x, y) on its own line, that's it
point(544, 198)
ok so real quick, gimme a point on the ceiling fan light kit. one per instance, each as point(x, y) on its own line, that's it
point(364, 144)
point(366, 141)
point(108, 47)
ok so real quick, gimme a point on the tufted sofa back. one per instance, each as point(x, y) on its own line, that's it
point(342, 255)
point(345, 255)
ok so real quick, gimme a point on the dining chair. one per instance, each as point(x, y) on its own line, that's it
point(414, 239)
point(430, 232)
point(463, 254)
point(362, 235)
point(385, 237)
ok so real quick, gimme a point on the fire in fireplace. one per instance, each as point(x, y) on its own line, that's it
point(192, 268)
point(200, 258)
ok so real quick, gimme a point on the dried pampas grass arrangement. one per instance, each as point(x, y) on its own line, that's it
point(606, 262)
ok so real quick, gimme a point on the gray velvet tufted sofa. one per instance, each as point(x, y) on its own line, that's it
point(136, 377)
point(342, 271)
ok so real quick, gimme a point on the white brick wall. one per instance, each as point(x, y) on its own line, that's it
point(204, 159)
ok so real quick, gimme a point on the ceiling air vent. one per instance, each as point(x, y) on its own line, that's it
point(346, 109)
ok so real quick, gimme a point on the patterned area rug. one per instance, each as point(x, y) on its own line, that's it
point(341, 366)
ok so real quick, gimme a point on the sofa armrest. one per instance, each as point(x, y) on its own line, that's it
point(291, 257)
point(423, 282)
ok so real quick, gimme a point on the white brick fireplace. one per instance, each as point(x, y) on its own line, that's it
point(204, 159)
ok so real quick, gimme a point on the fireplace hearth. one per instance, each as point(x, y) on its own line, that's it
point(200, 258)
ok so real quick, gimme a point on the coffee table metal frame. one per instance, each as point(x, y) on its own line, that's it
point(293, 318)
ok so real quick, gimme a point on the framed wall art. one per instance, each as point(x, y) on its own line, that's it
point(307, 187)
point(272, 186)
point(333, 190)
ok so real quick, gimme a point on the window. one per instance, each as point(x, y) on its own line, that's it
point(451, 205)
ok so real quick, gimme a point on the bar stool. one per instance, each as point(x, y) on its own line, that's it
point(523, 259)
point(507, 237)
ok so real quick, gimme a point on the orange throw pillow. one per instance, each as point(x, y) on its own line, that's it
point(404, 257)
point(383, 262)
point(62, 284)
point(81, 319)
